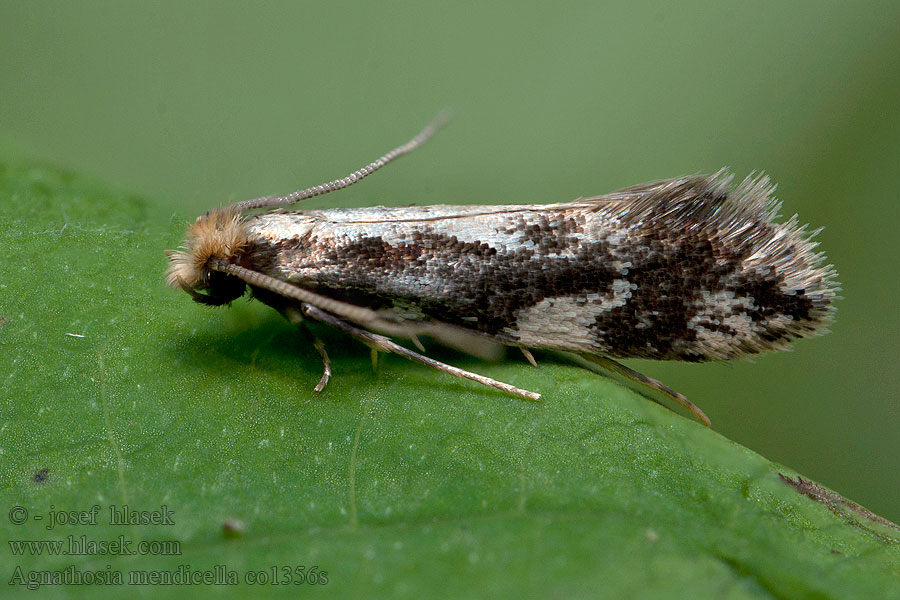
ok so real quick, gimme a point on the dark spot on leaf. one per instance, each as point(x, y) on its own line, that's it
point(3, 321)
point(233, 527)
point(42, 475)
point(840, 506)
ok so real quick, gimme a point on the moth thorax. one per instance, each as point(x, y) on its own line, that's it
point(219, 235)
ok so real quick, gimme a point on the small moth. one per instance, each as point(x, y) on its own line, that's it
point(690, 269)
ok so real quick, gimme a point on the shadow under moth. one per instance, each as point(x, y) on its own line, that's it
point(691, 269)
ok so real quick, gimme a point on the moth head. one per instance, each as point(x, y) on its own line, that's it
point(219, 235)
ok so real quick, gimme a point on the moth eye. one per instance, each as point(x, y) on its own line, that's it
point(203, 280)
point(222, 288)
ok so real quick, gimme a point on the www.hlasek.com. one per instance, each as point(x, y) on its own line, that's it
point(81, 545)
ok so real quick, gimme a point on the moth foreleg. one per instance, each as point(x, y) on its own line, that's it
point(616, 367)
point(296, 317)
point(385, 344)
point(416, 342)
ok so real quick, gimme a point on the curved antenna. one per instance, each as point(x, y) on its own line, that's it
point(338, 184)
point(472, 342)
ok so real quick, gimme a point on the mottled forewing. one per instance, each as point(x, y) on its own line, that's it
point(685, 269)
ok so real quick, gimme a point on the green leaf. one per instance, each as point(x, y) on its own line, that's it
point(406, 482)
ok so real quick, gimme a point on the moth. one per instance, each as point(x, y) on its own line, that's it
point(691, 269)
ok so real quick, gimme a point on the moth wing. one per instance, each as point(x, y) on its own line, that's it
point(708, 201)
point(658, 191)
point(421, 214)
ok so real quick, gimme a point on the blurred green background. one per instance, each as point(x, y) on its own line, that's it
point(196, 104)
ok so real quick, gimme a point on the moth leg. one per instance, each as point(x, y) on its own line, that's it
point(528, 355)
point(373, 354)
point(631, 374)
point(295, 317)
point(416, 342)
point(385, 344)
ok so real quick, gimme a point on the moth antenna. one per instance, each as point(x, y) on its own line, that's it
point(449, 335)
point(350, 312)
point(339, 184)
point(383, 344)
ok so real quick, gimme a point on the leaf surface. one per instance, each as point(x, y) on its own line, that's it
point(406, 482)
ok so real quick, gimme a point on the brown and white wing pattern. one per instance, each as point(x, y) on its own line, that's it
point(689, 269)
